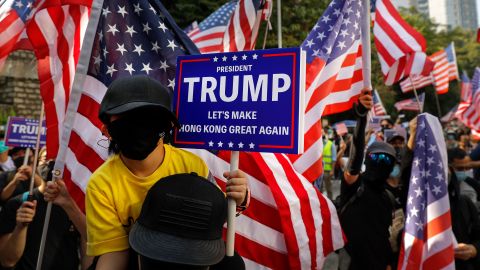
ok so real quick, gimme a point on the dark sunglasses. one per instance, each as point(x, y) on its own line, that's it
point(379, 157)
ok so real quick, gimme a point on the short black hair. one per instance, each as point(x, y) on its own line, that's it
point(456, 153)
point(388, 120)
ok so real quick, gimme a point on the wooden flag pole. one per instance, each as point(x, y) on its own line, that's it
point(232, 206)
point(366, 47)
point(279, 22)
point(37, 148)
point(420, 108)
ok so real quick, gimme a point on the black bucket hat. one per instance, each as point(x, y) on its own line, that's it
point(139, 91)
point(181, 222)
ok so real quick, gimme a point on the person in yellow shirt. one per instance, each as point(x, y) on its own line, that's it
point(136, 116)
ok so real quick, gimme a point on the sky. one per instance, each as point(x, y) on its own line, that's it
point(478, 12)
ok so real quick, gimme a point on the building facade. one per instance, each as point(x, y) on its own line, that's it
point(449, 14)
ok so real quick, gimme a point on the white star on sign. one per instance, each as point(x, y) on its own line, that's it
point(111, 70)
point(171, 44)
point(224, 58)
point(210, 143)
point(121, 10)
point(215, 59)
point(146, 68)
point(240, 145)
point(112, 29)
point(255, 56)
point(163, 65)
point(234, 58)
point(138, 49)
point(252, 145)
point(230, 144)
point(121, 48)
point(244, 57)
point(130, 30)
point(162, 26)
point(220, 144)
point(129, 68)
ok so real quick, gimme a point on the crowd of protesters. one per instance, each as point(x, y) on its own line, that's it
point(154, 206)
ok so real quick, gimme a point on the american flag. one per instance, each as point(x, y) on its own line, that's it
point(466, 91)
point(469, 111)
point(450, 115)
point(233, 27)
point(378, 108)
point(411, 104)
point(14, 16)
point(401, 49)
point(428, 239)
point(444, 71)
point(333, 75)
point(136, 37)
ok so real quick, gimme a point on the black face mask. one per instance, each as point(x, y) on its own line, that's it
point(18, 162)
point(377, 173)
point(136, 137)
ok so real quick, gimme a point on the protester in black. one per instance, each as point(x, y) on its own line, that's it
point(465, 226)
point(61, 251)
point(365, 209)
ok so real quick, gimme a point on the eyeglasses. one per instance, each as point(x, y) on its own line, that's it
point(378, 158)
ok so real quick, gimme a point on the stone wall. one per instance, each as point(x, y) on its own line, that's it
point(19, 86)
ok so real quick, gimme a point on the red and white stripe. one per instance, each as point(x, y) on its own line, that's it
point(441, 71)
point(469, 112)
point(419, 81)
point(11, 28)
point(242, 30)
point(466, 91)
point(210, 40)
point(401, 49)
point(56, 34)
point(344, 76)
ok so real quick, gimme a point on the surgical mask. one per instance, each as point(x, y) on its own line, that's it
point(461, 175)
point(395, 172)
point(136, 137)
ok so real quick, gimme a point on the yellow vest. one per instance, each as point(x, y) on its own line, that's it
point(327, 156)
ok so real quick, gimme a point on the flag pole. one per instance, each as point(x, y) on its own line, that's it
point(420, 108)
point(75, 95)
point(436, 95)
point(279, 22)
point(232, 206)
point(37, 148)
point(366, 46)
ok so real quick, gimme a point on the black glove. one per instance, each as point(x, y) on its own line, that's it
point(357, 145)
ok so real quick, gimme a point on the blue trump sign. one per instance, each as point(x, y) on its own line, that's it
point(22, 132)
point(246, 101)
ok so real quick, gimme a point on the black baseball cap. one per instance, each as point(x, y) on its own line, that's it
point(181, 222)
point(395, 135)
point(381, 147)
point(139, 91)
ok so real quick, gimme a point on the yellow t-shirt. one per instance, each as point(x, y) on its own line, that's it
point(115, 196)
